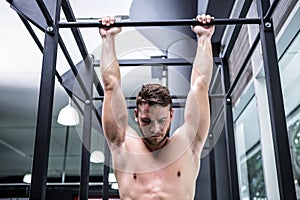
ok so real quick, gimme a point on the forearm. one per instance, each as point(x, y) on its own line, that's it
point(114, 114)
point(203, 63)
point(109, 65)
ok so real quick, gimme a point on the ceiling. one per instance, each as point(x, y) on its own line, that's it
point(20, 78)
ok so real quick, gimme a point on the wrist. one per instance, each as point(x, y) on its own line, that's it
point(108, 37)
point(204, 36)
point(201, 39)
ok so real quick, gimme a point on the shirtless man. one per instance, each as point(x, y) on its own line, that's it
point(149, 164)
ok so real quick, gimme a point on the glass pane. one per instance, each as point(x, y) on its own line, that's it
point(249, 160)
point(290, 75)
point(294, 136)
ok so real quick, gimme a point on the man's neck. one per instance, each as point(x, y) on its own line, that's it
point(153, 148)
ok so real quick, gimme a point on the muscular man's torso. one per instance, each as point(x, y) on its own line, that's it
point(169, 173)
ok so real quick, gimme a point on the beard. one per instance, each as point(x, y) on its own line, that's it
point(155, 140)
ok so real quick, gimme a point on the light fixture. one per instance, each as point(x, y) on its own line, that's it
point(112, 178)
point(97, 157)
point(68, 115)
point(114, 186)
point(27, 178)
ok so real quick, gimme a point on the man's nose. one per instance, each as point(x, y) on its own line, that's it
point(155, 127)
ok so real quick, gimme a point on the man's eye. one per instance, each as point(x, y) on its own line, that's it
point(146, 120)
point(162, 121)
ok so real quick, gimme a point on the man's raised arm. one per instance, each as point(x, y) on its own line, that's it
point(197, 110)
point(114, 113)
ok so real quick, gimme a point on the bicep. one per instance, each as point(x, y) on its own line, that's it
point(114, 115)
point(197, 114)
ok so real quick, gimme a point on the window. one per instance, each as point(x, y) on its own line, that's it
point(290, 76)
point(248, 148)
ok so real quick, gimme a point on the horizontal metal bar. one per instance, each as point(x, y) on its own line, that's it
point(177, 22)
point(155, 62)
point(134, 98)
point(152, 62)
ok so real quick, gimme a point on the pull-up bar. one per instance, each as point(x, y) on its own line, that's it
point(177, 22)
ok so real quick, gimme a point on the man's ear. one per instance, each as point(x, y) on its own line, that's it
point(136, 115)
point(172, 114)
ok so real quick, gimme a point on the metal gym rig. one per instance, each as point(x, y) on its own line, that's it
point(47, 18)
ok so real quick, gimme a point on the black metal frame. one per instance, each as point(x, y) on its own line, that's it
point(277, 114)
point(86, 137)
point(43, 129)
point(178, 22)
point(230, 138)
point(49, 22)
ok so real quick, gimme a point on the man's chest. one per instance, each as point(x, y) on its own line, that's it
point(134, 156)
point(173, 181)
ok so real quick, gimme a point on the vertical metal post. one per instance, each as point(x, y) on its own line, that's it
point(276, 106)
point(106, 168)
point(44, 115)
point(230, 140)
point(63, 175)
point(212, 169)
point(86, 137)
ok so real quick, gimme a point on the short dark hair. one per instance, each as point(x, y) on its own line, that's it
point(152, 94)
